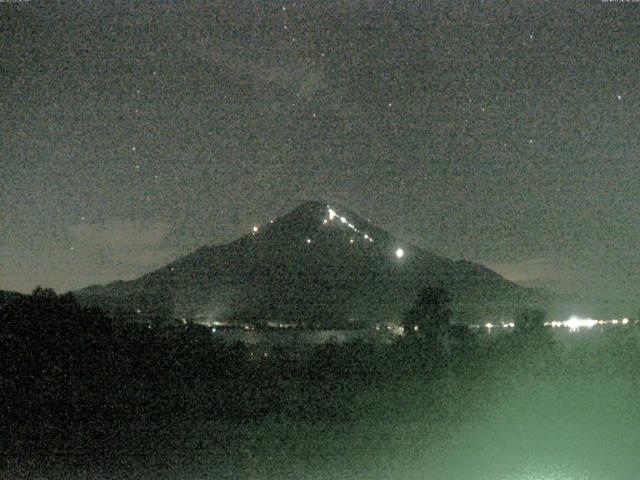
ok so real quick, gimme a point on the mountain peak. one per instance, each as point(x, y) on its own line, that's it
point(316, 217)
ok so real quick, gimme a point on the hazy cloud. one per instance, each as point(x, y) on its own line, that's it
point(126, 242)
point(533, 269)
point(120, 233)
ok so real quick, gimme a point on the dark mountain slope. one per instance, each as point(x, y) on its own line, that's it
point(318, 265)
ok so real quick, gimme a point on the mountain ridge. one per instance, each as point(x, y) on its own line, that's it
point(318, 265)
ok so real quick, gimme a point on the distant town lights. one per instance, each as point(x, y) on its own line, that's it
point(575, 323)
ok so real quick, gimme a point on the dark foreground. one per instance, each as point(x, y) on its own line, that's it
point(172, 403)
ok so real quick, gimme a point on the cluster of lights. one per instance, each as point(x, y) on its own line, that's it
point(490, 325)
point(333, 215)
point(574, 323)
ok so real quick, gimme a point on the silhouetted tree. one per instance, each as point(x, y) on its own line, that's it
point(532, 344)
point(42, 293)
point(530, 321)
point(427, 326)
point(431, 313)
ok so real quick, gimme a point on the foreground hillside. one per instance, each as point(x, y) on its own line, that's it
point(121, 401)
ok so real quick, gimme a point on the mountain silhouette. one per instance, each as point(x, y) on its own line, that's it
point(320, 265)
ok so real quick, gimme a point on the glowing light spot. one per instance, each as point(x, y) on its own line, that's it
point(308, 240)
point(343, 220)
point(325, 221)
point(575, 323)
point(332, 214)
point(351, 241)
point(625, 321)
point(255, 229)
point(399, 253)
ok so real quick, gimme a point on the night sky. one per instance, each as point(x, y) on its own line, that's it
point(505, 133)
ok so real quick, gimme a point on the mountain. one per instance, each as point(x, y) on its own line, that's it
point(319, 265)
